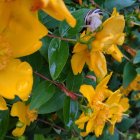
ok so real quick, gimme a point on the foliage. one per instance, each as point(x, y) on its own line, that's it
point(56, 96)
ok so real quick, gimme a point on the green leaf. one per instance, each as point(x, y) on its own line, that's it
point(129, 74)
point(54, 104)
point(137, 58)
point(119, 4)
point(66, 30)
point(73, 82)
point(58, 53)
point(41, 94)
point(4, 122)
point(38, 137)
point(44, 49)
point(66, 109)
point(138, 70)
point(126, 124)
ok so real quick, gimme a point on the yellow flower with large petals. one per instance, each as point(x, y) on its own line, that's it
point(25, 116)
point(20, 27)
point(94, 59)
point(112, 35)
point(56, 9)
point(103, 106)
point(16, 77)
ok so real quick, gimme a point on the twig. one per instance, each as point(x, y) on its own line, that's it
point(61, 86)
point(61, 38)
point(53, 125)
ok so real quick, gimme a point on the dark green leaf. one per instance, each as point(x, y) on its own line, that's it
point(119, 4)
point(39, 137)
point(129, 74)
point(54, 104)
point(4, 120)
point(44, 49)
point(42, 94)
point(73, 82)
point(58, 54)
point(66, 109)
point(126, 124)
point(137, 58)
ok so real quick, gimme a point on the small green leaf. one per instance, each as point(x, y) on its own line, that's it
point(41, 94)
point(4, 120)
point(54, 104)
point(58, 53)
point(137, 58)
point(129, 74)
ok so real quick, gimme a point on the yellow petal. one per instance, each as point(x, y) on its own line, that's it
point(88, 92)
point(90, 125)
point(99, 130)
point(16, 79)
point(103, 83)
point(3, 105)
point(79, 48)
point(21, 29)
point(115, 52)
point(58, 10)
point(111, 129)
point(19, 110)
point(82, 119)
point(78, 61)
point(113, 25)
point(18, 131)
point(98, 63)
point(125, 103)
point(114, 98)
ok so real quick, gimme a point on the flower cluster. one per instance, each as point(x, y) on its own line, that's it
point(93, 46)
point(103, 106)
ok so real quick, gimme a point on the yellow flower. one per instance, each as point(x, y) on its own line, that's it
point(93, 45)
point(15, 76)
point(104, 105)
point(20, 27)
point(25, 116)
point(112, 35)
point(56, 9)
point(94, 59)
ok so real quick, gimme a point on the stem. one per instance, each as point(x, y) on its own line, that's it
point(65, 39)
point(61, 86)
point(53, 125)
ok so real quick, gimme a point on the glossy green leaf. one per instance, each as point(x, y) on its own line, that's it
point(4, 120)
point(54, 104)
point(137, 58)
point(119, 4)
point(129, 74)
point(58, 53)
point(41, 94)
point(73, 82)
